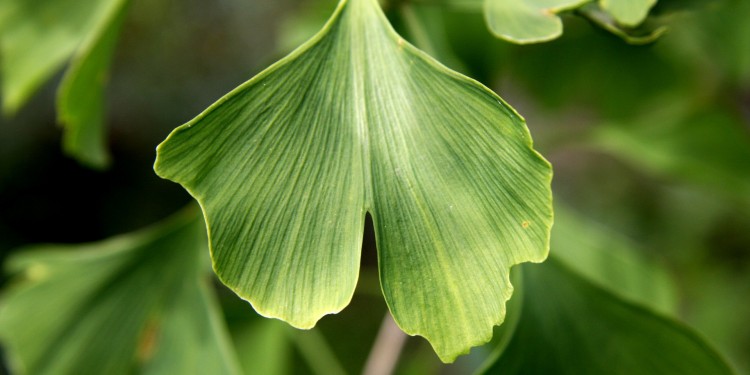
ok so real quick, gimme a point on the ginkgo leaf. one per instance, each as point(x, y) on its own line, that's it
point(80, 100)
point(628, 12)
point(527, 21)
point(357, 120)
point(569, 326)
point(135, 302)
point(37, 37)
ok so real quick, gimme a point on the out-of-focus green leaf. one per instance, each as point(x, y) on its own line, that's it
point(723, 21)
point(610, 260)
point(80, 102)
point(642, 35)
point(357, 120)
point(426, 27)
point(36, 37)
point(713, 292)
point(569, 326)
point(527, 21)
point(133, 303)
point(706, 146)
point(464, 5)
point(301, 23)
point(628, 12)
point(263, 347)
point(317, 353)
point(192, 337)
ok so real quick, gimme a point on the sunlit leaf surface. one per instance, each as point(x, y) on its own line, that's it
point(355, 121)
point(569, 326)
point(527, 21)
point(136, 303)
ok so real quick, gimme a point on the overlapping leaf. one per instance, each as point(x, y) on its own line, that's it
point(569, 326)
point(355, 121)
point(133, 303)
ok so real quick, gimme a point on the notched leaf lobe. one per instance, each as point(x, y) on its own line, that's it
point(357, 120)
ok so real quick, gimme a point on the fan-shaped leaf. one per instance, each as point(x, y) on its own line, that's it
point(357, 120)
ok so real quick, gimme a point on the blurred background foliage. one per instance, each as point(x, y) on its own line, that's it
point(650, 145)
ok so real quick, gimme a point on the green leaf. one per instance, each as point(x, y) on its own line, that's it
point(698, 144)
point(569, 326)
point(463, 5)
point(37, 37)
point(80, 101)
point(647, 33)
point(133, 303)
point(318, 355)
point(264, 347)
point(357, 120)
point(426, 27)
point(527, 21)
point(696, 34)
point(628, 12)
point(610, 260)
point(503, 334)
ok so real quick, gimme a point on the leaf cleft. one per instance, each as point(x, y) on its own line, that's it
point(357, 120)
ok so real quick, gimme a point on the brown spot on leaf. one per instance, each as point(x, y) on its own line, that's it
point(147, 341)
